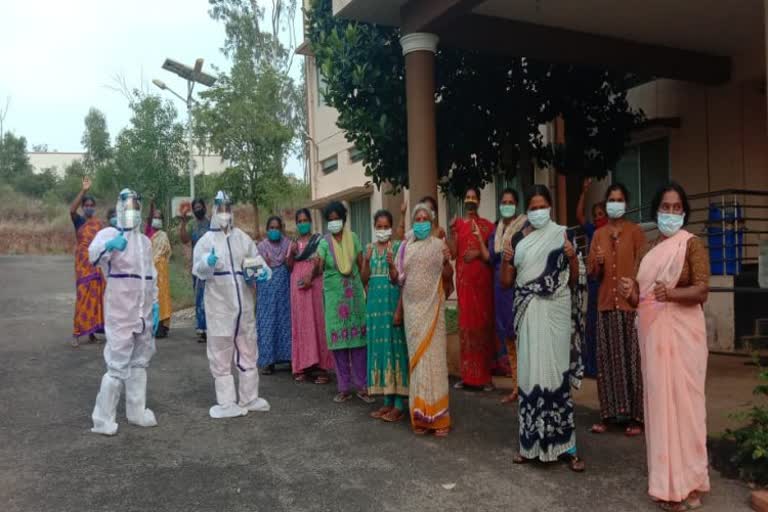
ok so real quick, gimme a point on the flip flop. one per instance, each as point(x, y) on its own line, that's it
point(599, 428)
point(342, 397)
point(682, 506)
point(365, 397)
point(519, 459)
point(380, 413)
point(300, 377)
point(442, 432)
point(322, 379)
point(419, 431)
point(393, 416)
point(633, 431)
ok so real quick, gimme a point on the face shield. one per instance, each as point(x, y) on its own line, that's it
point(221, 216)
point(128, 210)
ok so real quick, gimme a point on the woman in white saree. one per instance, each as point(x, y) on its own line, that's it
point(543, 267)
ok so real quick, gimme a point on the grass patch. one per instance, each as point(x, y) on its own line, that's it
point(180, 276)
point(451, 321)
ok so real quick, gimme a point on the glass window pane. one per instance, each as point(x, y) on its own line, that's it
point(360, 218)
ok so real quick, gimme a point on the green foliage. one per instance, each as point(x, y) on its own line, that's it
point(250, 116)
point(751, 456)
point(14, 162)
point(95, 140)
point(36, 184)
point(150, 153)
point(489, 108)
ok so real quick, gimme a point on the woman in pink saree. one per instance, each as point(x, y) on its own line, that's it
point(671, 288)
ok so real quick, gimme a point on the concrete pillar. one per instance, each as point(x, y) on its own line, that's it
point(561, 194)
point(419, 50)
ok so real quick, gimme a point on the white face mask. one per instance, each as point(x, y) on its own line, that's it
point(157, 223)
point(223, 219)
point(132, 219)
point(383, 235)
point(539, 218)
point(670, 223)
point(615, 210)
point(335, 226)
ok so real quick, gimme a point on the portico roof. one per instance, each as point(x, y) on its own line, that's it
point(685, 39)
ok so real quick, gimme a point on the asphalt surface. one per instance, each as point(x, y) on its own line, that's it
point(307, 454)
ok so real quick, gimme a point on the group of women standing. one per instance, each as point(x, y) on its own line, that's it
point(651, 340)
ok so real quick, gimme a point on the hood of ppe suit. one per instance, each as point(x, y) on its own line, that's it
point(128, 210)
point(222, 203)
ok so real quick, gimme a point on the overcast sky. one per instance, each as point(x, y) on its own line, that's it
point(59, 57)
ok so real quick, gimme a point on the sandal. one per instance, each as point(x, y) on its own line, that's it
point(420, 431)
point(342, 397)
point(489, 387)
point(269, 370)
point(575, 464)
point(442, 432)
point(74, 343)
point(599, 428)
point(634, 431)
point(393, 416)
point(459, 385)
point(681, 506)
point(299, 377)
point(508, 399)
point(381, 412)
point(365, 397)
point(322, 379)
point(92, 339)
point(519, 459)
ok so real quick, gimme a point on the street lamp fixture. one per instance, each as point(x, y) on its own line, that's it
point(192, 76)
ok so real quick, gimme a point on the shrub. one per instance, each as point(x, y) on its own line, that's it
point(751, 457)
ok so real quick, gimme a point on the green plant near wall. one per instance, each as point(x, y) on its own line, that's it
point(751, 457)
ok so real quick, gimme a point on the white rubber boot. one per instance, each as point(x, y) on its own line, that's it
point(136, 399)
point(227, 400)
point(106, 406)
point(249, 392)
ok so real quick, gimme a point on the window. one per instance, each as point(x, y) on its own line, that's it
point(360, 219)
point(330, 164)
point(321, 87)
point(643, 169)
point(355, 155)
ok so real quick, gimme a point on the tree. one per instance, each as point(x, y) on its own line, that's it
point(95, 140)
point(39, 148)
point(14, 161)
point(151, 153)
point(250, 116)
point(489, 108)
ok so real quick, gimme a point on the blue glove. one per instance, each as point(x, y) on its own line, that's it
point(116, 244)
point(212, 258)
point(155, 317)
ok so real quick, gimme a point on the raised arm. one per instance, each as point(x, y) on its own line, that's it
point(581, 216)
point(79, 198)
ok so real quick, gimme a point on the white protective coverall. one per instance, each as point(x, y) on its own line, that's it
point(129, 296)
point(230, 314)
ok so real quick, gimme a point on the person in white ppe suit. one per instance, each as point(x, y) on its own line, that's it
point(219, 259)
point(131, 313)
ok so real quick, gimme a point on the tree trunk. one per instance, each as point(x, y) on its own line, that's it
point(256, 221)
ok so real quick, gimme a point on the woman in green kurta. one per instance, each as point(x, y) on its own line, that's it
point(387, 350)
point(340, 257)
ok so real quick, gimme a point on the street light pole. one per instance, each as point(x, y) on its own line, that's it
point(192, 76)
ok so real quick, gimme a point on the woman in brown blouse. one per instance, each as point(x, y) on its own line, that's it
point(671, 287)
point(613, 255)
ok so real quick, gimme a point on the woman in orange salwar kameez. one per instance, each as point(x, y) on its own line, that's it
point(474, 286)
point(89, 283)
point(672, 285)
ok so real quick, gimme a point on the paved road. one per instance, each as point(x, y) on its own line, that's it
point(308, 454)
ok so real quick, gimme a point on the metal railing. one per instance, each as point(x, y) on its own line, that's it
point(739, 226)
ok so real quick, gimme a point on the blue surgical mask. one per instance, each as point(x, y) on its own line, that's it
point(421, 230)
point(274, 235)
point(113, 222)
point(508, 210)
point(670, 223)
point(615, 210)
point(335, 226)
point(304, 228)
point(539, 218)
point(89, 211)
